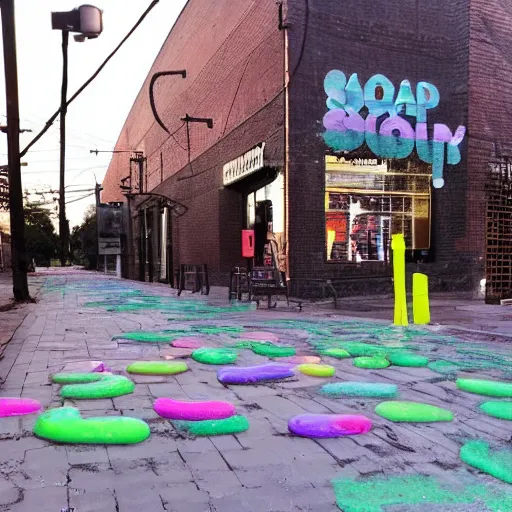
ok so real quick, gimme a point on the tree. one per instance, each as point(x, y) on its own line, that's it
point(40, 237)
point(84, 240)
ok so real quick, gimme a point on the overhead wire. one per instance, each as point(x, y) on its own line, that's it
point(93, 76)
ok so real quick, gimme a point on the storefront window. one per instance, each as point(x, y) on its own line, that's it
point(366, 202)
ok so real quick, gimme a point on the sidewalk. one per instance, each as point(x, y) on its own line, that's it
point(83, 317)
point(11, 314)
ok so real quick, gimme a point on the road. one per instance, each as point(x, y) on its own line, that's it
point(410, 466)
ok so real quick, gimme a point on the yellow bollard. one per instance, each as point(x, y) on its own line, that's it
point(420, 302)
point(398, 248)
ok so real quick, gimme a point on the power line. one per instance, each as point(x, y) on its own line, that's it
point(94, 75)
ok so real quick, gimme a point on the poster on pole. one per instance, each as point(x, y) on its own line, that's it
point(110, 225)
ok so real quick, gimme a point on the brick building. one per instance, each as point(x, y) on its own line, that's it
point(335, 125)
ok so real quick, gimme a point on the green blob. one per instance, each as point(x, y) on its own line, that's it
point(407, 359)
point(317, 370)
point(232, 425)
point(270, 350)
point(362, 349)
point(148, 337)
point(501, 410)
point(486, 387)
point(495, 463)
point(157, 367)
point(338, 353)
point(109, 387)
point(65, 425)
point(379, 493)
point(444, 367)
point(412, 412)
point(374, 363)
point(214, 356)
point(76, 378)
point(364, 389)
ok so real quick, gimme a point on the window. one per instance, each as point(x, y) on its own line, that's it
point(366, 202)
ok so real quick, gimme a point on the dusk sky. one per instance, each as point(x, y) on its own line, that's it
point(96, 117)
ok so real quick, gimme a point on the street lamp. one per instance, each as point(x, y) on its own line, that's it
point(88, 22)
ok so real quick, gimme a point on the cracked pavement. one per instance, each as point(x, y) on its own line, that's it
point(261, 470)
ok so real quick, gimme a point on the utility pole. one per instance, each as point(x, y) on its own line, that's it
point(19, 256)
point(63, 226)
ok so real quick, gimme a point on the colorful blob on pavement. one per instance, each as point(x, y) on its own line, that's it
point(486, 387)
point(18, 406)
point(259, 336)
point(157, 368)
point(86, 367)
point(65, 425)
point(214, 356)
point(193, 411)
point(385, 493)
point(495, 463)
point(232, 425)
point(364, 349)
point(252, 374)
point(363, 389)
point(300, 360)
point(329, 425)
point(501, 410)
point(145, 337)
point(338, 353)
point(109, 386)
point(407, 359)
point(269, 350)
point(371, 363)
point(412, 412)
point(189, 342)
point(317, 370)
point(76, 378)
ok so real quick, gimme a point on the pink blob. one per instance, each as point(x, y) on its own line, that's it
point(300, 360)
point(193, 411)
point(18, 406)
point(329, 425)
point(86, 367)
point(260, 336)
point(189, 342)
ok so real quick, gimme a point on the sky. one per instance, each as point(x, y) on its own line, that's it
point(95, 119)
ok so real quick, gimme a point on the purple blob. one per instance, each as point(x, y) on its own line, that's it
point(252, 374)
point(329, 425)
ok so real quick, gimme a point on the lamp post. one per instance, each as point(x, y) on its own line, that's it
point(87, 21)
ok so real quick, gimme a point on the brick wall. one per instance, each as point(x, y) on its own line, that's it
point(233, 53)
point(422, 40)
point(490, 79)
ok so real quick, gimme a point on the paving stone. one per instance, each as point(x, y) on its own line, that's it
point(155, 447)
point(131, 499)
point(47, 499)
point(9, 494)
point(37, 377)
point(93, 501)
point(43, 467)
point(218, 483)
point(209, 461)
point(87, 455)
point(185, 497)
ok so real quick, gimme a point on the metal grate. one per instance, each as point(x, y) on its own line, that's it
point(499, 232)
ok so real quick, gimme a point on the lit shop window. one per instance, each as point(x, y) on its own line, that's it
point(367, 201)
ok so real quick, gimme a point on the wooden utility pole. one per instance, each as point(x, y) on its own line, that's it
point(19, 256)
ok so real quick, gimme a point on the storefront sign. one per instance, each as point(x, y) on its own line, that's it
point(244, 165)
point(391, 124)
